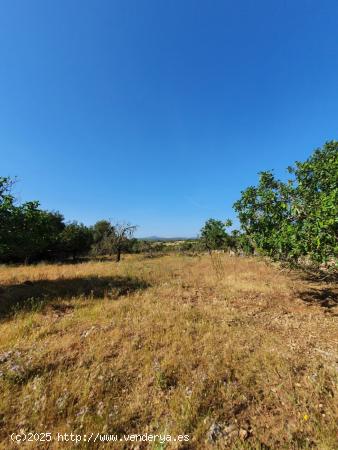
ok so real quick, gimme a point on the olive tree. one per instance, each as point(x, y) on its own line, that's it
point(111, 238)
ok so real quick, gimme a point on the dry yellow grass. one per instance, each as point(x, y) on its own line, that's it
point(230, 351)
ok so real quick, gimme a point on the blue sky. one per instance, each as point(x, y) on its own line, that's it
point(160, 112)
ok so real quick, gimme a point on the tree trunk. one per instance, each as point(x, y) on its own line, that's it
point(118, 254)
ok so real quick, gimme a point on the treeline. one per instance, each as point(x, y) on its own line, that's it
point(29, 233)
point(293, 221)
point(214, 236)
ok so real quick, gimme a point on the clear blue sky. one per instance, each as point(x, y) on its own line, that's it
point(160, 112)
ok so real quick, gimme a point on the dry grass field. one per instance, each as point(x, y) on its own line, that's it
point(233, 352)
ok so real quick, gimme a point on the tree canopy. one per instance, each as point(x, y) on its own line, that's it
point(214, 235)
point(299, 217)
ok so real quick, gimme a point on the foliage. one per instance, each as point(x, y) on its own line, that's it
point(214, 235)
point(101, 230)
point(6, 213)
point(111, 238)
point(75, 239)
point(297, 218)
point(122, 234)
point(29, 233)
point(316, 202)
point(26, 232)
point(143, 246)
point(191, 247)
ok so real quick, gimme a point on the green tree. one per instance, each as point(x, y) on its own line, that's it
point(264, 213)
point(102, 233)
point(101, 230)
point(214, 235)
point(27, 233)
point(122, 234)
point(7, 208)
point(75, 239)
point(37, 232)
point(299, 217)
point(111, 238)
point(315, 205)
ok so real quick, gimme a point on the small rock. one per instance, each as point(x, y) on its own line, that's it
point(5, 356)
point(243, 434)
point(215, 431)
point(188, 391)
